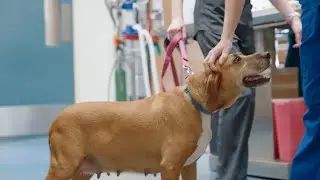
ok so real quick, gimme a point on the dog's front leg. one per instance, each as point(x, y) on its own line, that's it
point(174, 156)
point(189, 172)
point(170, 173)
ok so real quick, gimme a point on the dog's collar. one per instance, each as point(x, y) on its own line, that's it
point(194, 102)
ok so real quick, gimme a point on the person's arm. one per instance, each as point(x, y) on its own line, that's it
point(232, 13)
point(177, 9)
point(177, 22)
point(283, 6)
point(292, 18)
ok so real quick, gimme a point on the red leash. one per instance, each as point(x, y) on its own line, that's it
point(169, 46)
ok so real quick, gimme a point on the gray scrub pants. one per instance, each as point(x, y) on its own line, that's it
point(232, 126)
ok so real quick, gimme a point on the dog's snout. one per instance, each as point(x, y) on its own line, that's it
point(266, 55)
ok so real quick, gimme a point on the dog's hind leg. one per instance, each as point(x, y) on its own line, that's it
point(60, 171)
point(189, 172)
point(65, 157)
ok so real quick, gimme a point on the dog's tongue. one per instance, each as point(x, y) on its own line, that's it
point(252, 78)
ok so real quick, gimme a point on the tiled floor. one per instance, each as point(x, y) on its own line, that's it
point(28, 159)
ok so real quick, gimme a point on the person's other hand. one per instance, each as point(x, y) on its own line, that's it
point(297, 29)
point(176, 25)
point(219, 53)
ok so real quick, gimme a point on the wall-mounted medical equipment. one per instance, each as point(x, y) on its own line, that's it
point(135, 42)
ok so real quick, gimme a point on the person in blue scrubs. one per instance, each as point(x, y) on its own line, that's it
point(306, 163)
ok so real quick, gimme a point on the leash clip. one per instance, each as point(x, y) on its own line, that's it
point(188, 70)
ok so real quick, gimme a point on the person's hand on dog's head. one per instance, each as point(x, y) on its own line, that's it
point(211, 67)
point(219, 53)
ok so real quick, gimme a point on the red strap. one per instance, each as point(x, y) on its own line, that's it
point(177, 40)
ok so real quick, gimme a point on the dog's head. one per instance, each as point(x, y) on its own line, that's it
point(219, 88)
point(245, 71)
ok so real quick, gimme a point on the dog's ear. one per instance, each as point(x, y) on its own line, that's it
point(213, 83)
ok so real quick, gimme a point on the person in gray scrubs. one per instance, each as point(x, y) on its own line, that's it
point(232, 126)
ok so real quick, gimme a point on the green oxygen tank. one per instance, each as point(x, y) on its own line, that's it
point(121, 83)
point(158, 48)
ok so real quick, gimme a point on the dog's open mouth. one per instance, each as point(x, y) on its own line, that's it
point(256, 80)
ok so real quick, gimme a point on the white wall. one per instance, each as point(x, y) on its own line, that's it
point(188, 8)
point(93, 50)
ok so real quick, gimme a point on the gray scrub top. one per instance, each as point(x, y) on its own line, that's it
point(209, 15)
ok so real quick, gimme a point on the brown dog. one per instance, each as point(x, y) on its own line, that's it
point(165, 133)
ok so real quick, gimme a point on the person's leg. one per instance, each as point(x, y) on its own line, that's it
point(306, 163)
point(231, 126)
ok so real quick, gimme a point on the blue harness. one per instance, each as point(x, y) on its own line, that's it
point(194, 102)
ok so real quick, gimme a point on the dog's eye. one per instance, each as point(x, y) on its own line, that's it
point(237, 60)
